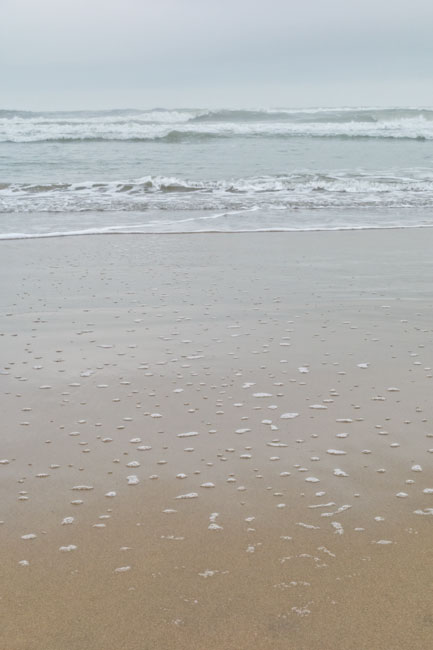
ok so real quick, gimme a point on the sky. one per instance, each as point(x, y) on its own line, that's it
point(96, 54)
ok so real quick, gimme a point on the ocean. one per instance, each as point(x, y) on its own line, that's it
point(195, 170)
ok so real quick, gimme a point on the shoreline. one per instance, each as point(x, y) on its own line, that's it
point(21, 236)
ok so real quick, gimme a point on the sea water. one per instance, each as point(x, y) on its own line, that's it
point(190, 170)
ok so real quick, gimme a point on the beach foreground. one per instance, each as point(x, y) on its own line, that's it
point(217, 442)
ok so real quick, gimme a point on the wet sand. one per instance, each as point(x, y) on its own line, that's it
point(217, 442)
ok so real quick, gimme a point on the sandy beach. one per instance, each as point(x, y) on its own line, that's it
point(217, 442)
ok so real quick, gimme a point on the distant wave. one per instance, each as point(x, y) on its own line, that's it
point(408, 188)
point(192, 125)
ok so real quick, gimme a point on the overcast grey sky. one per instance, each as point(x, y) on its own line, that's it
point(58, 54)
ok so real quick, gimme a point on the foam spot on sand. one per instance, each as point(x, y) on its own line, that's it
point(68, 520)
point(339, 530)
point(426, 511)
point(212, 522)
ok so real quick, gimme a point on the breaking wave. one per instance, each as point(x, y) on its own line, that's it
point(192, 125)
point(413, 188)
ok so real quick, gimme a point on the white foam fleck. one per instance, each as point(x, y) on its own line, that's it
point(68, 520)
point(207, 573)
point(132, 479)
point(67, 549)
point(426, 511)
point(212, 522)
point(339, 530)
point(309, 526)
point(189, 495)
point(340, 472)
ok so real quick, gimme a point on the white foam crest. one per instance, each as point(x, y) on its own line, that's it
point(318, 190)
point(175, 127)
